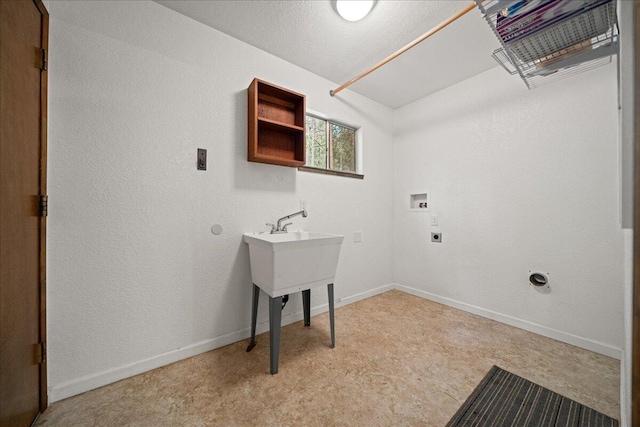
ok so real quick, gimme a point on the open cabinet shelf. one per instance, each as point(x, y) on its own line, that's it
point(546, 40)
point(276, 125)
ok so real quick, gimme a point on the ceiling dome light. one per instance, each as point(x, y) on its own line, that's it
point(354, 10)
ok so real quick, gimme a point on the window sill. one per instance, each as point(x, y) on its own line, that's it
point(330, 172)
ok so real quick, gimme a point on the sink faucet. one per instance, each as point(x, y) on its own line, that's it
point(279, 228)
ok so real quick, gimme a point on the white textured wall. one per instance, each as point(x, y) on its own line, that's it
point(520, 180)
point(135, 277)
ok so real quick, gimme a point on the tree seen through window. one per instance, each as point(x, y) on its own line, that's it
point(330, 145)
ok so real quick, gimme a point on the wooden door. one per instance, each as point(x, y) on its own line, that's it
point(23, 79)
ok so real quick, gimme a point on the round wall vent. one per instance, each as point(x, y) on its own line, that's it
point(538, 279)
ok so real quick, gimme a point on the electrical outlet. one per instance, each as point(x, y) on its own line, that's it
point(202, 159)
point(436, 237)
point(434, 220)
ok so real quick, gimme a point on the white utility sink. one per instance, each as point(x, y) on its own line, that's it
point(290, 262)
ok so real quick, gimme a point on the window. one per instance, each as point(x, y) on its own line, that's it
point(330, 145)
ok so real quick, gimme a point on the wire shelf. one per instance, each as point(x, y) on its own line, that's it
point(545, 40)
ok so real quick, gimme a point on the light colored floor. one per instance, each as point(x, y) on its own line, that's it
point(399, 360)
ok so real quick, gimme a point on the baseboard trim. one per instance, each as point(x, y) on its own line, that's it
point(362, 295)
point(90, 382)
point(565, 337)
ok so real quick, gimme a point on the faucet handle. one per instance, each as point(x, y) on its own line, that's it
point(273, 226)
point(284, 227)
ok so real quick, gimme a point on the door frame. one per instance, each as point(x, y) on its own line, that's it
point(635, 362)
point(635, 393)
point(44, 398)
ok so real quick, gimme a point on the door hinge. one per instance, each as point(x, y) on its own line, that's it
point(44, 205)
point(44, 59)
point(42, 352)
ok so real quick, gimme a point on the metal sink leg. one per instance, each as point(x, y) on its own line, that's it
point(254, 317)
point(275, 321)
point(331, 319)
point(306, 306)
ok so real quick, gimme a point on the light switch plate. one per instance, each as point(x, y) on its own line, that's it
point(357, 237)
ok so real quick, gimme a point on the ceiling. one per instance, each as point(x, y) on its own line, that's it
point(311, 34)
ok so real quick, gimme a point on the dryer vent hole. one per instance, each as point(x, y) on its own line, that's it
point(538, 279)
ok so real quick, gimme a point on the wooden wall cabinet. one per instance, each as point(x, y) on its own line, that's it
point(276, 125)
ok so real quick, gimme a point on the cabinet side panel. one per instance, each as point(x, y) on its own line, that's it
point(252, 115)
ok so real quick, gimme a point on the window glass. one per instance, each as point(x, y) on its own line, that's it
point(343, 146)
point(330, 145)
point(316, 142)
